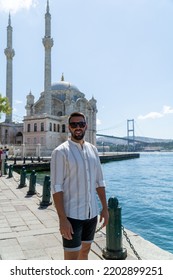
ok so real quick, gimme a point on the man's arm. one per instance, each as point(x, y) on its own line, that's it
point(64, 224)
point(104, 215)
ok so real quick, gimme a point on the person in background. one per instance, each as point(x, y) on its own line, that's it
point(6, 152)
point(1, 151)
point(76, 179)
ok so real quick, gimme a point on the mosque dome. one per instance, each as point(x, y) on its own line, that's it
point(62, 85)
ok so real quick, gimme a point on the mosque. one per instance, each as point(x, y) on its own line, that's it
point(46, 122)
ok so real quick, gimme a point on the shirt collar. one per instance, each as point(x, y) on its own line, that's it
point(76, 144)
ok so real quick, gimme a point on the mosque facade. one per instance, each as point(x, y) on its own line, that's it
point(45, 125)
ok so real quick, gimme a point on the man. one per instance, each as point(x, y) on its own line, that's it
point(1, 152)
point(76, 177)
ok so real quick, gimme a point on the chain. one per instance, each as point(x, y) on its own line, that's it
point(127, 238)
point(16, 180)
point(131, 246)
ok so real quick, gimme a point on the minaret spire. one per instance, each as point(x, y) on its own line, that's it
point(48, 44)
point(9, 52)
point(47, 6)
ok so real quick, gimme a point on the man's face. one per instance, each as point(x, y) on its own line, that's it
point(77, 128)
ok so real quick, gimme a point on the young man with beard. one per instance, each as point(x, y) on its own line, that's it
point(76, 177)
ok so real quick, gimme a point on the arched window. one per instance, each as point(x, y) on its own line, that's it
point(35, 127)
point(63, 128)
point(29, 127)
point(42, 126)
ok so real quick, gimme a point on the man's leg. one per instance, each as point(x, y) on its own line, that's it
point(71, 255)
point(84, 251)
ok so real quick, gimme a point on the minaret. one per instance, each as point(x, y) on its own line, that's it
point(9, 52)
point(48, 44)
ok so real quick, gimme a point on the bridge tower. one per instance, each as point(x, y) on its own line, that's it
point(131, 133)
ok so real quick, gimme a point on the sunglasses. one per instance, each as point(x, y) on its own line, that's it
point(76, 124)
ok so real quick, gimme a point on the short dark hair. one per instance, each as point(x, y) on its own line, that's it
point(76, 114)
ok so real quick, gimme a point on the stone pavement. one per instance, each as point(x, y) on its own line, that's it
point(30, 232)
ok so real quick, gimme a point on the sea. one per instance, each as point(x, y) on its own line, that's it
point(144, 189)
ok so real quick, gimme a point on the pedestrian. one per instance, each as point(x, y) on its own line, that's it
point(6, 151)
point(1, 152)
point(2, 160)
point(76, 178)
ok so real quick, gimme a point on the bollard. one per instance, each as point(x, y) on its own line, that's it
point(5, 167)
point(32, 183)
point(22, 178)
point(114, 250)
point(10, 171)
point(46, 192)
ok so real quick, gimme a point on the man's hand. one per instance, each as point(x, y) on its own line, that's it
point(104, 216)
point(66, 229)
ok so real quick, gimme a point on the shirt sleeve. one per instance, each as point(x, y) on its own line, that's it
point(57, 170)
point(99, 176)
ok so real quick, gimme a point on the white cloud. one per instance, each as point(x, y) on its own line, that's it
point(98, 122)
point(14, 6)
point(167, 110)
point(155, 115)
point(18, 101)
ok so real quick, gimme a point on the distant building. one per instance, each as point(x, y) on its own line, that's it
point(45, 123)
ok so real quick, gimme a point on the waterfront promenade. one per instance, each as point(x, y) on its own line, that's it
point(43, 164)
point(29, 232)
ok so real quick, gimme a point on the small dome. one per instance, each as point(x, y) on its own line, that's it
point(62, 85)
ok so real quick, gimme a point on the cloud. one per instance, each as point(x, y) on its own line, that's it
point(13, 6)
point(18, 101)
point(155, 115)
point(98, 122)
point(167, 110)
point(152, 115)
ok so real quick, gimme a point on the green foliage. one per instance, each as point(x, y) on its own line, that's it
point(4, 105)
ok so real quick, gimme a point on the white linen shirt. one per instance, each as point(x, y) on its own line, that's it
point(76, 171)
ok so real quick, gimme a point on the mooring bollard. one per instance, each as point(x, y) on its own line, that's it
point(114, 250)
point(22, 178)
point(32, 183)
point(46, 192)
point(10, 171)
point(5, 167)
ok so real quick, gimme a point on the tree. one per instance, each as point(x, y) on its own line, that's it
point(5, 105)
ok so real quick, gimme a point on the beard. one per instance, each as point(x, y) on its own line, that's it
point(78, 134)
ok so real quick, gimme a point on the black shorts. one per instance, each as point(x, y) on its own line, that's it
point(84, 231)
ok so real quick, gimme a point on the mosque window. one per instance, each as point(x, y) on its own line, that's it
point(63, 128)
point(59, 113)
point(42, 126)
point(54, 127)
point(35, 127)
point(6, 135)
point(29, 127)
point(50, 126)
point(58, 127)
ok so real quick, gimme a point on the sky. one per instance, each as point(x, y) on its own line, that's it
point(118, 51)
